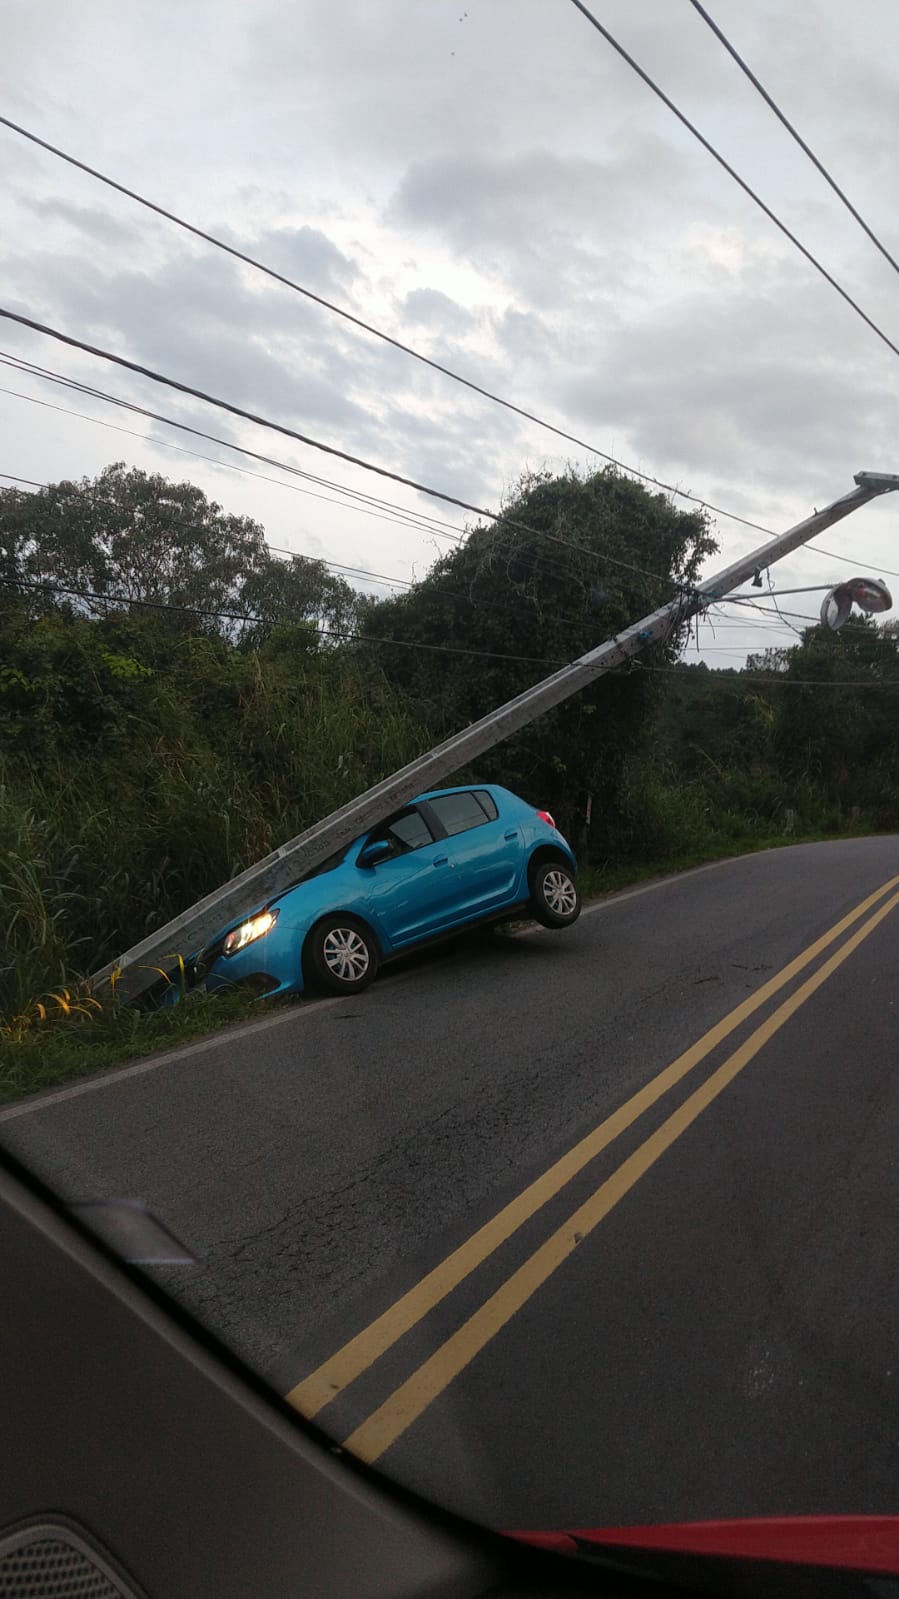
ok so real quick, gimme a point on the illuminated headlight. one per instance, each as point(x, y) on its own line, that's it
point(248, 932)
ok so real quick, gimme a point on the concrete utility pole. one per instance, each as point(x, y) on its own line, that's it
point(284, 866)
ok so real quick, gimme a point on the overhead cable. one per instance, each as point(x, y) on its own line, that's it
point(732, 172)
point(368, 327)
point(782, 118)
point(268, 621)
point(315, 444)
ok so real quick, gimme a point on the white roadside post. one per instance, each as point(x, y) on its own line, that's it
point(138, 967)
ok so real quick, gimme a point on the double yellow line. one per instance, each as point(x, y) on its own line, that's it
point(386, 1424)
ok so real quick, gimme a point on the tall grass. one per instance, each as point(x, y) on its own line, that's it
point(100, 844)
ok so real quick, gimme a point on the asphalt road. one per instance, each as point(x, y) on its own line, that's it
point(695, 1314)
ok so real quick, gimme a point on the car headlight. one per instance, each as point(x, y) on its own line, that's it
point(248, 932)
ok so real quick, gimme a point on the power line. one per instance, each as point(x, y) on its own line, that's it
point(424, 527)
point(167, 444)
point(30, 481)
point(368, 327)
point(234, 410)
point(732, 172)
point(338, 566)
point(782, 118)
point(850, 560)
point(810, 621)
point(361, 571)
point(721, 624)
point(268, 621)
point(362, 638)
point(315, 444)
point(31, 369)
point(784, 679)
point(277, 549)
point(777, 608)
point(419, 521)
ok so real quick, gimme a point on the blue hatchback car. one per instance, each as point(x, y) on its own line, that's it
point(449, 860)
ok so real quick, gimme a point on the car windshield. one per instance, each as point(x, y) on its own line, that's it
point(328, 865)
point(481, 430)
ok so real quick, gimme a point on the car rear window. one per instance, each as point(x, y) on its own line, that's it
point(459, 812)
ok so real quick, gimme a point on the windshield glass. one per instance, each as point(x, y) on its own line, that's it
point(545, 1154)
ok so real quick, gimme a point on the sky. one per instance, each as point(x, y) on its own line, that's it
point(487, 181)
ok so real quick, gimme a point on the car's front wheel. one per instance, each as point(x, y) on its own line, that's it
point(555, 901)
point(342, 955)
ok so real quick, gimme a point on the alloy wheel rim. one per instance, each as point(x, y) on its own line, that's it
point(346, 954)
point(560, 893)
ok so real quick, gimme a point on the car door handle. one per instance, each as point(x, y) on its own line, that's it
point(512, 833)
point(441, 860)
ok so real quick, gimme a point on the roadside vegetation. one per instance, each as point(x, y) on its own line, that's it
point(175, 701)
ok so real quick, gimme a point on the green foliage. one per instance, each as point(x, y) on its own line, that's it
point(547, 596)
point(132, 535)
point(146, 757)
point(141, 792)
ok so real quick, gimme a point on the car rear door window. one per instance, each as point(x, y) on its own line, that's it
point(460, 812)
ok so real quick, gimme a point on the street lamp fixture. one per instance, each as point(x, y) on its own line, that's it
point(870, 594)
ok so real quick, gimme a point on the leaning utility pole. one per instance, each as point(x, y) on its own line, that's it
point(139, 966)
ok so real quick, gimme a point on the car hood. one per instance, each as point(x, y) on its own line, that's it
point(335, 877)
point(857, 1543)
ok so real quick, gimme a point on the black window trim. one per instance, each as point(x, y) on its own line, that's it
point(430, 818)
point(480, 794)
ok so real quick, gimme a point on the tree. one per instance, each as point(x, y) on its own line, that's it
point(838, 721)
point(136, 536)
point(281, 592)
point(602, 552)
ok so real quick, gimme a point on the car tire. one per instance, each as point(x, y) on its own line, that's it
point(555, 900)
point(342, 955)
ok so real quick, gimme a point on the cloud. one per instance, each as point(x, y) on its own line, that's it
point(304, 254)
point(745, 379)
point(541, 219)
point(432, 309)
point(210, 322)
point(99, 226)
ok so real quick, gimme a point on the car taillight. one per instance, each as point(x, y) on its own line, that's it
point(545, 817)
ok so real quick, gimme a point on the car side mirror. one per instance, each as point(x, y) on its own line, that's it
point(372, 853)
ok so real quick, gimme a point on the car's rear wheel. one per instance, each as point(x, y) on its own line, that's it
point(342, 955)
point(555, 901)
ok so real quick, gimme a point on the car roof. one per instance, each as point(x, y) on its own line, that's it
point(463, 788)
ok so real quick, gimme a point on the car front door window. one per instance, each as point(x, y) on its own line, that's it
point(404, 833)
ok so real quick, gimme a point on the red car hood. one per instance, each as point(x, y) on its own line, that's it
point(859, 1543)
